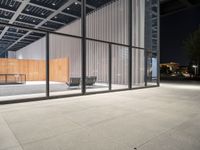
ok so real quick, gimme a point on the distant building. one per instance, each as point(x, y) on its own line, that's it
point(173, 67)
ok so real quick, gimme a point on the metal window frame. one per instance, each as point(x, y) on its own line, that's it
point(83, 57)
point(83, 43)
point(158, 48)
point(130, 38)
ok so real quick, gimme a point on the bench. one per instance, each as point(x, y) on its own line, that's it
point(90, 80)
point(74, 81)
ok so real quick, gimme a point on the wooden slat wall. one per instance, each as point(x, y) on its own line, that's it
point(3, 68)
point(35, 70)
point(59, 70)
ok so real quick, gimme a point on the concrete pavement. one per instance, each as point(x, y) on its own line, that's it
point(148, 119)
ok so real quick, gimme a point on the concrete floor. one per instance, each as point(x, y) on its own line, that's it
point(165, 118)
point(34, 89)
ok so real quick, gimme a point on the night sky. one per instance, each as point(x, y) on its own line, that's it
point(173, 30)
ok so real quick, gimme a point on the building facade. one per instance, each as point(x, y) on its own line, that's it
point(117, 43)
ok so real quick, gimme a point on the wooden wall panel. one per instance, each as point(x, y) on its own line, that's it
point(42, 70)
point(59, 70)
point(35, 70)
point(12, 66)
point(3, 66)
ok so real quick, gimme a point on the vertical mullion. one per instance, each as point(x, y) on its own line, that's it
point(145, 67)
point(158, 43)
point(47, 65)
point(110, 67)
point(146, 40)
point(130, 45)
point(83, 29)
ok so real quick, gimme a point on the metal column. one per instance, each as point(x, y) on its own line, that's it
point(47, 65)
point(110, 67)
point(130, 30)
point(83, 29)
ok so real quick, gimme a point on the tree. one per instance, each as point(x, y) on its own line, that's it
point(192, 47)
point(165, 70)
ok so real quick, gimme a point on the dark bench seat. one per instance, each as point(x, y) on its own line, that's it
point(74, 81)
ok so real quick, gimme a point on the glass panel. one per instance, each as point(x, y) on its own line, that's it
point(119, 67)
point(138, 33)
point(109, 22)
point(70, 17)
point(152, 69)
point(65, 65)
point(151, 25)
point(154, 20)
point(97, 66)
point(138, 68)
point(22, 64)
point(151, 41)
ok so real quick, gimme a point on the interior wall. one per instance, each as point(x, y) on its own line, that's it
point(35, 50)
point(107, 23)
point(34, 70)
point(11, 54)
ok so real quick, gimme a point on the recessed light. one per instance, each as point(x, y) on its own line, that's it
point(53, 4)
point(27, 9)
point(33, 20)
point(76, 3)
point(68, 8)
point(55, 17)
point(6, 14)
point(42, 13)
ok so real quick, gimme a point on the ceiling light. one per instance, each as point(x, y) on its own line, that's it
point(68, 8)
point(33, 20)
point(27, 9)
point(55, 17)
point(42, 13)
point(76, 3)
point(53, 4)
point(6, 14)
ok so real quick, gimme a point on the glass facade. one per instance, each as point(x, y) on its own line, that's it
point(23, 73)
point(114, 46)
point(152, 42)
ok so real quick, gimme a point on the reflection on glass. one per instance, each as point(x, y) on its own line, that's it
point(119, 67)
point(65, 65)
point(152, 69)
point(22, 67)
point(138, 68)
point(97, 66)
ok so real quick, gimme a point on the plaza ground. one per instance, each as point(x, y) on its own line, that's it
point(161, 118)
